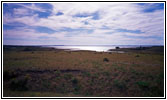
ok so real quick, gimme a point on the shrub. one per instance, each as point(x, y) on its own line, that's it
point(143, 85)
point(87, 74)
point(19, 84)
point(105, 60)
point(115, 74)
point(116, 47)
point(61, 88)
point(27, 49)
point(120, 84)
point(156, 91)
point(120, 68)
point(74, 81)
point(57, 73)
point(45, 83)
point(77, 87)
point(106, 73)
point(137, 56)
point(67, 76)
point(7, 75)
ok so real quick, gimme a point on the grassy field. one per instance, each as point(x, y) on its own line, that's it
point(43, 72)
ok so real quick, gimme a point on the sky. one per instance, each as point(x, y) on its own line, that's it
point(88, 23)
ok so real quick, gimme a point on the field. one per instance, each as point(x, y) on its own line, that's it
point(43, 72)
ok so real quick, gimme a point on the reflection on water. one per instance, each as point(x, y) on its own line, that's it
point(91, 48)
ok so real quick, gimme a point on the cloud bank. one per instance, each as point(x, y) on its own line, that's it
point(83, 23)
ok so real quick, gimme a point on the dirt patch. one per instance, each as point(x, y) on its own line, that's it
point(49, 71)
point(70, 70)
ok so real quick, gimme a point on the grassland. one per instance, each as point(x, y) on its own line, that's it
point(35, 71)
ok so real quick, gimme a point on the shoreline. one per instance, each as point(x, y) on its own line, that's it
point(153, 49)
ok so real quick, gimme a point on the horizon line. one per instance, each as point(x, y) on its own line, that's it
point(85, 45)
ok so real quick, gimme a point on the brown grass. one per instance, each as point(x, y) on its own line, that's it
point(84, 73)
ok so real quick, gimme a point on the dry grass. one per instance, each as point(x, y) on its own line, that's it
point(84, 73)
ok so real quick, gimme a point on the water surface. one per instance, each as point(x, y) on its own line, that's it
point(98, 48)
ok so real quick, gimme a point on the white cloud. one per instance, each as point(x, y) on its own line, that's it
point(20, 11)
point(113, 16)
point(32, 7)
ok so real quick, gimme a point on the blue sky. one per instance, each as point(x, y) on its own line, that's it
point(83, 23)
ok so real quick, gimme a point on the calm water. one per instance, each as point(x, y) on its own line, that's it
point(93, 48)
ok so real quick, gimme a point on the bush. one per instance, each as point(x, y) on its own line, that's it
point(137, 56)
point(27, 49)
point(116, 47)
point(77, 87)
point(57, 73)
point(106, 73)
point(87, 74)
point(74, 81)
point(105, 60)
point(7, 75)
point(19, 84)
point(67, 76)
point(143, 85)
point(120, 84)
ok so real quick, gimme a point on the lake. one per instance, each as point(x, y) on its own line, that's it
point(98, 48)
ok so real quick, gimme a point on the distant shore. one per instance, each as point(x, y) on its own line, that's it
point(117, 49)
